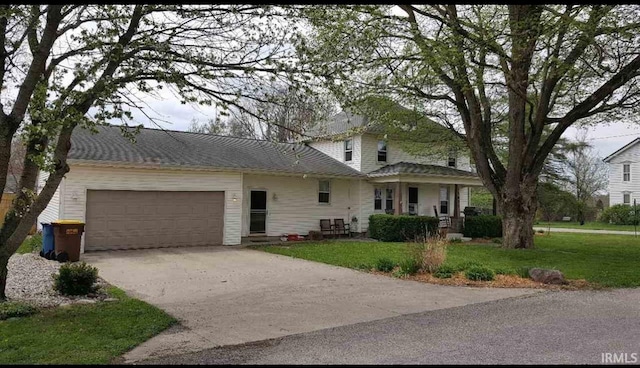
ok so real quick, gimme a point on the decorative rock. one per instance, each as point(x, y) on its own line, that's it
point(546, 276)
point(110, 300)
point(85, 301)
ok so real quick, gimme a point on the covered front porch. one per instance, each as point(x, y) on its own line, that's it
point(425, 190)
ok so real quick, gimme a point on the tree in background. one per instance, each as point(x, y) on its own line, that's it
point(512, 77)
point(555, 203)
point(63, 66)
point(587, 174)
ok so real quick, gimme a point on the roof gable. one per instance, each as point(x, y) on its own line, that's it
point(624, 148)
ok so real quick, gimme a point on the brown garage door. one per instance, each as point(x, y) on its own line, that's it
point(123, 219)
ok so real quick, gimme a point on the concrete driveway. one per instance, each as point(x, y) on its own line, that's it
point(224, 295)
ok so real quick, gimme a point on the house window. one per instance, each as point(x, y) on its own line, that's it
point(453, 159)
point(382, 151)
point(626, 172)
point(324, 191)
point(389, 200)
point(348, 150)
point(444, 200)
point(626, 198)
point(377, 199)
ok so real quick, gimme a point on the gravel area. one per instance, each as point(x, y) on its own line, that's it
point(30, 279)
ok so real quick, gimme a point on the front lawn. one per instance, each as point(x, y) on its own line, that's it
point(608, 260)
point(81, 334)
point(587, 226)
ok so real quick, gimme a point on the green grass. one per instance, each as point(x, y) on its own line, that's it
point(587, 225)
point(81, 334)
point(33, 243)
point(607, 260)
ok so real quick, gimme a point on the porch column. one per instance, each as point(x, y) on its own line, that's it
point(398, 200)
point(456, 201)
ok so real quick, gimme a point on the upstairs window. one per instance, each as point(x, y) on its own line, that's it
point(453, 159)
point(626, 172)
point(348, 150)
point(626, 198)
point(382, 151)
point(324, 191)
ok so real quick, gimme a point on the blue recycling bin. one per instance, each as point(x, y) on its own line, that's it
point(48, 245)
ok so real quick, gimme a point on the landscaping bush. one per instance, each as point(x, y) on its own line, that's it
point(16, 309)
point(620, 214)
point(392, 228)
point(429, 254)
point(444, 272)
point(409, 266)
point(523, 272)
point(385, 265)
point(483, 226)
point(480, 274)
point(76, 279)
point(466, 265)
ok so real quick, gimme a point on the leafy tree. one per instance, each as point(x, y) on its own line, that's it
point(63, 66)
point(512, 77)
point(231, 127)
point(555, 203)
point(587, 173)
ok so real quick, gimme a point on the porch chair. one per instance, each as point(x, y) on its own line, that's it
point(325, 225)
point(341, 228)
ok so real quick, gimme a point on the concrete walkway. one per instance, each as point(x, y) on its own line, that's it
point(224, 295)
point(585, 231)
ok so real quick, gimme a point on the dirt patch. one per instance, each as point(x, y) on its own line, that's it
point(500, 281)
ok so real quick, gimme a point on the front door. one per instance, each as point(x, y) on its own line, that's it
point(413, 201)
point(258, 212)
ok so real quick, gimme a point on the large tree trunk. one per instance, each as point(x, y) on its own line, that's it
point(518, 216)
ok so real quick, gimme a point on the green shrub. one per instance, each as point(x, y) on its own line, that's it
point(32, 243)
point(480, 274)
point(466, 265)
point(620, 214)
point(76, 279)
point(455, 240)
point(540, 231)
point(385, 265)
point(444, 272)
point(483, 226)
point(523, 271)
point(16, 309)
point(409, 266)
point(392, 228)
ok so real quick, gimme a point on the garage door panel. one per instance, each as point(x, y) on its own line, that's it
point(149, 219)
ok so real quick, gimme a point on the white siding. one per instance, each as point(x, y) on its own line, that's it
point(52, 211)
point(81, 178)
point(292, 202)
point(369, 156)
point(617, 186)
point(335, 150)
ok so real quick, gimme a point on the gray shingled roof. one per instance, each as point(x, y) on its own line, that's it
point(421, 169)
point(175, 148)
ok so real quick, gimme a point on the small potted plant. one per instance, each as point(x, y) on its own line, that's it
point(354, 224)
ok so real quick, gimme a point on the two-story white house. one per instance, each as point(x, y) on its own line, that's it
point(624, 174)
point(173, 188)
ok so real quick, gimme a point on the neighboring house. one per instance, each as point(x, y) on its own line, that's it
point(175, 188)
point(624, 174)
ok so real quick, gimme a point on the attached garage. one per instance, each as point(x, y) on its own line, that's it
point(128, 219)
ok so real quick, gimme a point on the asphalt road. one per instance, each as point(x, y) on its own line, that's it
point(555, 327)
